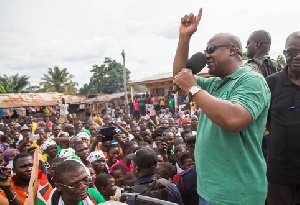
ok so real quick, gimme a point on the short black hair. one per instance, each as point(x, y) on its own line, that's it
point(129, 146)
point(78, 144)
point(191, 140)
point(19, 156)
point(184, 156)
point(31, 149)
point(101, 180)
point(119, 167)
point(112, 146)
point(64, 168)
point(167, 167)
point(57, 160)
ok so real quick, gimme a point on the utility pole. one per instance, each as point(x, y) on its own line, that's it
point(124, 82)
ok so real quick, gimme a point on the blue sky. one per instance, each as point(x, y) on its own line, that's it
point(76, 34)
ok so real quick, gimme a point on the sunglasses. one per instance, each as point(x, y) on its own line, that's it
point(291, 52)
point(77, 185)
point(212, 48)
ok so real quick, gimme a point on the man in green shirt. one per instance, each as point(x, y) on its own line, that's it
point(72, 182)
point(228, 157)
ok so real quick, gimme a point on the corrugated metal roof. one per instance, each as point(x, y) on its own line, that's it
point(37, 99)
point(105, 97)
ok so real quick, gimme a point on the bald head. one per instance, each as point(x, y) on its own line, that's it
point(261, 36)
point(294, 35)
point(228, 38)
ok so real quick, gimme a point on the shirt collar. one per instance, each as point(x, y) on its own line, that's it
point(237, 73)
point(143, 180)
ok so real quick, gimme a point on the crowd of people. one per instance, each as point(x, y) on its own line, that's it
point(239, 146)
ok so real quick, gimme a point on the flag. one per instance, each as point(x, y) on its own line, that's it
point(39, 187)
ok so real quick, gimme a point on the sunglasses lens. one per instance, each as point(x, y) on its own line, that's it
point(292, 52)
point(210, 49)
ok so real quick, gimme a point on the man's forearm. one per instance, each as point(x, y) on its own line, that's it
point(182, 54)
point(230, 116)
point(11, 196)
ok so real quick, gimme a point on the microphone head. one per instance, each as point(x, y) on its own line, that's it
point(196, 63)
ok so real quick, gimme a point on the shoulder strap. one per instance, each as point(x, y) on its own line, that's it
point(268, 66)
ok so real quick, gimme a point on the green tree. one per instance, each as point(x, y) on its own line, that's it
point(58, 80)
point(244, 56)
point(281, 60)
point(107, 78)
point(13, 83)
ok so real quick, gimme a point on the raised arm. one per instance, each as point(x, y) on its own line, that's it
point(188, 26)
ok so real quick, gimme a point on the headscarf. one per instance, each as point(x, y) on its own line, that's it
point(2, 146)
point(47, 144)
point(67, 153)
point(93, 156)
point(6, 153)
point(83, 135)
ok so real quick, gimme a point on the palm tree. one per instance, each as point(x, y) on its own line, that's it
point(13, 83)
point(59, 80)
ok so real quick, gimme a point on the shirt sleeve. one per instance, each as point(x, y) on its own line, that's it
point(204, 82)
point(175, 194)
point(253, 94)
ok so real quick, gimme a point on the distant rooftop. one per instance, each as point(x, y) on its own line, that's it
point(160, 77)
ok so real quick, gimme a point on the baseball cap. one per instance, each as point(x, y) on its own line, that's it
point(144, 157)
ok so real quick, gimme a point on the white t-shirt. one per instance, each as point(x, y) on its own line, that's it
point(63, 109)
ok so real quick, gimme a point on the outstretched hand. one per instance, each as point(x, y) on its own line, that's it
point(189, 23)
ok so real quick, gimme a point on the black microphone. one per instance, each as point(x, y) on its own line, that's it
point(196, 63)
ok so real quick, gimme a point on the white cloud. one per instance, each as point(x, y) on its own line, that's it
point(35, 35)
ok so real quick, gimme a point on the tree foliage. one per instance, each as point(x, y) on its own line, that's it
point(13, 83)
point(107, 78)
point(244, 56)
point(281, 60)
point(58, 80)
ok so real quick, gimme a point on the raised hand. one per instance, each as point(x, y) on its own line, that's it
point(189, 23)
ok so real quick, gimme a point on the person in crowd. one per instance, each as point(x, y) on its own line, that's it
point(56, 130)
point(178, 151)
point(143, 105)
point(105, 184)
point(2, 149)
point(93, 177)
point(128, 148)
point(72, 185)
point(166, 148)
point(50, 173)
point(187, 134)
point(25, 143)
point(62, 141)
point(49, 148)
point(119, 173)
point(69, 128)
point(144, 165)
point(63, 111)
point(15, 188)
point(234, 105)
point(98, 162)
point(136, 132)
point(73, 141)
point(164, 170)
point(283, 124)
point(9, 155)
point(113, 155)
point(194, 123)
point(146, 136)
point(258, 48)
point(82, 151)
point(129, 179)
point(164, 122)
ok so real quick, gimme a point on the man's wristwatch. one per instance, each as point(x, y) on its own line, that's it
point(194, 90)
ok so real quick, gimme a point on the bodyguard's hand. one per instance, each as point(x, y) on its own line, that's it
point(189, 24)
point(185, 80)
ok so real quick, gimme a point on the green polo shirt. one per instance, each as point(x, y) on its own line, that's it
point(230, 165)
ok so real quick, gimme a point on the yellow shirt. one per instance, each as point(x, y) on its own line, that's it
point(44, 156)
